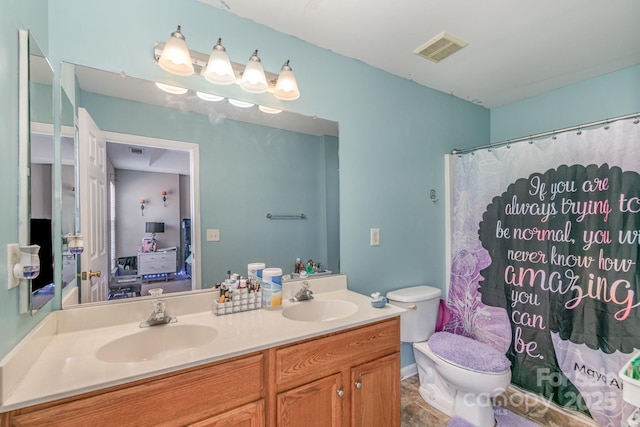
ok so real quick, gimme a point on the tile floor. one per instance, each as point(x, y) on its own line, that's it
point(417, 413)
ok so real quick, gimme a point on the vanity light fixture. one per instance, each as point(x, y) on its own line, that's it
point(164, 198)
point(174, 90)
point(253, 78)
point(176, 58)
point(286, 87)
point(142, 202)
point(218, 69)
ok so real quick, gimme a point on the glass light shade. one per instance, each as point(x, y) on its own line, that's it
point(219, 69)
point(286, 87)
point(241, 104)
point(174, 90)
point(209, 97)
point(269, 110)
point(253, 78)
point(175, 57)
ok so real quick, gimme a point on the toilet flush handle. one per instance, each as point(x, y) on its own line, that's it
point(412, 306)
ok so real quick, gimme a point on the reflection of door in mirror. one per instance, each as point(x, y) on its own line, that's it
point(115, 223)
point(92, 156)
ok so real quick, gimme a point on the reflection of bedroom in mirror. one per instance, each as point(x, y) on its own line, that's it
point(150, 214)
point(41, 206)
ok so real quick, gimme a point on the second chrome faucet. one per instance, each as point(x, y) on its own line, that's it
point(159, 315)
point(304, 294)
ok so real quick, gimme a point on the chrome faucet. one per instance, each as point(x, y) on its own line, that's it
point(159, 315)
point(304, 294)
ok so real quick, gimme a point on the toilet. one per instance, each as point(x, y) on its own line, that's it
point(458, 375)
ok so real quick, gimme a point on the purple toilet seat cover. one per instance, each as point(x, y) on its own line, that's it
point(468, 353)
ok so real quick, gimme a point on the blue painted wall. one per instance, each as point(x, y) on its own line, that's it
point(610, 95)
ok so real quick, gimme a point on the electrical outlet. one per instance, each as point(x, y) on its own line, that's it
point(375, 237)
point(213, 235)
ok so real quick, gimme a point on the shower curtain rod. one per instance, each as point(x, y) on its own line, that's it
point(553, 132)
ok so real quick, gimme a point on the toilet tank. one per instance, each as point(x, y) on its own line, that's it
point(421, 304)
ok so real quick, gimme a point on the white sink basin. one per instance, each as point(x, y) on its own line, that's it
point(320, 310)
point(155, 342)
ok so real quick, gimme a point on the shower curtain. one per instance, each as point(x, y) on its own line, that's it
point(545, 252)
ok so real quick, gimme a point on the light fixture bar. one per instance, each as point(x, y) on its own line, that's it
point(200, 60)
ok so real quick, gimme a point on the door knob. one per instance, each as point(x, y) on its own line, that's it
point(358, 385)
point(84, 275)
point(340, 393)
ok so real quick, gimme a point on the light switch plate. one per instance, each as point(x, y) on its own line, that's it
point(375, 237)
point(213, 235)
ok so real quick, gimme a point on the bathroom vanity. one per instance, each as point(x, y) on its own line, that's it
point(259, 369)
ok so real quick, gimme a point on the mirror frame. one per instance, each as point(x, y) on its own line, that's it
point(27, 46)
point(23, 159)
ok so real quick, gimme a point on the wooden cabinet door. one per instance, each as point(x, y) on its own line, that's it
point(250, 415)
point(316, 404)
point(375, 393)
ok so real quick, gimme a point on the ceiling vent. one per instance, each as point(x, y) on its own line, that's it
point(440, 47)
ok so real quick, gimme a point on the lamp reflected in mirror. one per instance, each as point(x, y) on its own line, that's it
point(153, 228)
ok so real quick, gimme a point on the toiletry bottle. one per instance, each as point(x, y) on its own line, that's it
point(296, 268)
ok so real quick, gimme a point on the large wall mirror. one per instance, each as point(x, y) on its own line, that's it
point(156, 170)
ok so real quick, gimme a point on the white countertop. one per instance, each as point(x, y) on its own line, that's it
point(68, 364)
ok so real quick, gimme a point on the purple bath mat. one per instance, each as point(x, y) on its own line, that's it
point(506, 418)
point(459, 422)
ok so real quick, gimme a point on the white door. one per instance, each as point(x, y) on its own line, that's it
point(92, 165)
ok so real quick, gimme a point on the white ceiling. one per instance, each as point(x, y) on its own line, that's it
point(517, 48)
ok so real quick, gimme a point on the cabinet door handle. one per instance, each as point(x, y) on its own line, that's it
point(358, 385)
point(340, 393)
